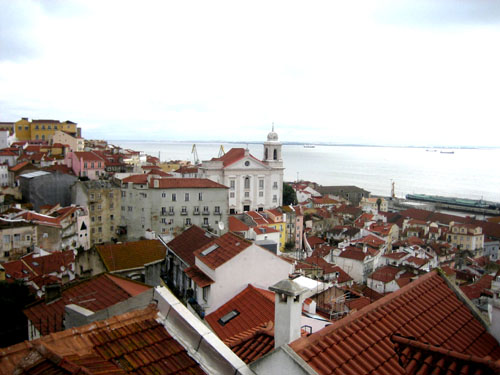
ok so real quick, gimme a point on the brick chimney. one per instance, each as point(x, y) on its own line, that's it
point(287, 311)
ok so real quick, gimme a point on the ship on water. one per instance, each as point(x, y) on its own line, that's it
point(472, 205)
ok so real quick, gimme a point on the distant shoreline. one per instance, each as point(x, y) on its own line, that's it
point(313, 144)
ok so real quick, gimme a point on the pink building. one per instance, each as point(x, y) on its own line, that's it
point(86, 164)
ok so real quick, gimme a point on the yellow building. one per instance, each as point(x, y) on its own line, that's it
point(43, 130)
point(277, 221)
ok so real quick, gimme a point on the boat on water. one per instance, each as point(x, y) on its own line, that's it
point(309, 146)
point(447, 152)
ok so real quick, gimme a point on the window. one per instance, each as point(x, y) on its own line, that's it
point(275, 185)
point(99, 218)
point(111, 228)
point(111, 205)
point(205, 210)
point(123, 208)
point(164, 211)
point(188, 221)
point(174, 197)
point(55, 127)
point(124, 194)
point(171, 210)
point(205, 221)
point(231, 194)
point(261, 184)
point(184, 210)
point(99, 207)
point(92, 207)
point(92, 165)
point(217, 210)
point(99, 229)
point(231, 184)
point(17, 237)
point(99, 165)
point(111, 217)
point(36, 127)
point(205, 293)
point(49, 127)
point(247, 194)
point(261, 193)
point(186, 197)
point(163, 195)
point(92, 219)
point(6, 238)
point(20, 128)
point(110, 194)
point(275, 198)
point(163, 220)
point(197, 210)
point(200, 196)
point(85, 166)
point(247, 182)
point(129, 208)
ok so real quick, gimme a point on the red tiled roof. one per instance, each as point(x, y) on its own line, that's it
point(385, 274)
point(133, 343)
point(419, 262)
point(396, 256)
point(427, 309)
point(227, 247)
point(236, 225)
point(95, 294)
point(255, 307)
point(353, 253)
point(264, 230)
point(476, 290)
point(314, 240)
point(322, 250)
point(141, 179)
point(421, 358)
point(50, 263)
point(232, 156)
point(198, 277)
point(448, 270)
point(371, 240)
point(88, 156)
point(186, 243)
point(186, 183)
point(19, 166)
point(254, 343)
point(130, 255)
point(358, 303)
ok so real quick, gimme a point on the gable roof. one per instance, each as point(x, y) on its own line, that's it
point(236, 225)
point(133, 342)
point(94, 294)
point(427, 309)
point(225, 248)
point(186, 243)
point(233, 155)
point(131, 254)
point(255, 307)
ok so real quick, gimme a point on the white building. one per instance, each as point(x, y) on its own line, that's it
point(254, 184)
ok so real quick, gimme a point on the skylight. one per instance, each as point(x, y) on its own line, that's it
point(209, 249)
point(228, 317)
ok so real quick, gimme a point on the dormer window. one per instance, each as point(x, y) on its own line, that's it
point(228, 317)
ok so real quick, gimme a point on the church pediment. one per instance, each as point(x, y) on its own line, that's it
point(248, 162)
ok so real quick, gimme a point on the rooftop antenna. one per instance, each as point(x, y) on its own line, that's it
point(273, 126)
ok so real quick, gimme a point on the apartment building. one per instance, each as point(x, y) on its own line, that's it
point(103, 199)
point(169, 205)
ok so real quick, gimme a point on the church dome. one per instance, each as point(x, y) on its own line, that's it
point(272, 136)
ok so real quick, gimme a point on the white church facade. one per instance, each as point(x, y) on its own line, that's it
point(253, 184)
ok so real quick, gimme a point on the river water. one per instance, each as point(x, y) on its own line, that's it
point(465, 173)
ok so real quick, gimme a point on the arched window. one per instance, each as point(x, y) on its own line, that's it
point(275, 155)
point(265, 154)
point(247, 182)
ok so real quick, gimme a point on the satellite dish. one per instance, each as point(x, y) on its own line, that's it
point(221, 225)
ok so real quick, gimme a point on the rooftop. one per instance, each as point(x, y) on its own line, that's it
point(427, 311)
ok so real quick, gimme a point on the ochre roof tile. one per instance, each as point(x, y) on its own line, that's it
point(130, 255)
point(225, 248)
point(186, 243)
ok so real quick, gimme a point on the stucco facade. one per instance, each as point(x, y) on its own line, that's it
point(169, 205)
point(253, 184)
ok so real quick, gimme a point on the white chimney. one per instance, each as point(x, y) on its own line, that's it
point(287, 311)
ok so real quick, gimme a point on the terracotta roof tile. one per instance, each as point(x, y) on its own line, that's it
point(254, 343)
point(197, 275)
point(95, 294)
point(131, 254)
point(385, 274)
point(186, 243)
point(223, 248)
point(427, 309)
point(255, 307)
point(236, 225)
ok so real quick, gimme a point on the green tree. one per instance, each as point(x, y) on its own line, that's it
point(289, 195)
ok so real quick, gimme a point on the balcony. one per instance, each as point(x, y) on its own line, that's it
point(184, 212)
point(197, 308)
point(206, 212)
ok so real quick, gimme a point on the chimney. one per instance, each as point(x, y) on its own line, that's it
point(52, 292)
point(287, 311)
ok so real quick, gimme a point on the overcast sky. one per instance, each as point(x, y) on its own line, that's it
point(418, 72)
